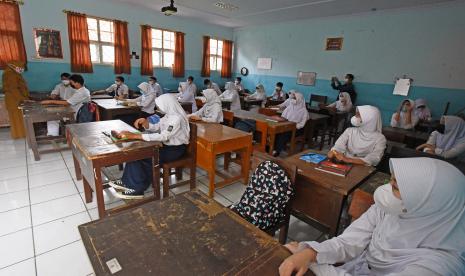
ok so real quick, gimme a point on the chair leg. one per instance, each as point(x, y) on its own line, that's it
point(178, 172)
point(193, 174)
point(227, 160)
point(283, 233)
point(120, 167)
point(166, 182)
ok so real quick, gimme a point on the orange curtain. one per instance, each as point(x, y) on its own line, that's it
point(178, 68)
point(122, 61)
point(79, 43)
point(206, 57)
point(146, 65)
point(226, 68)
point(11, 35)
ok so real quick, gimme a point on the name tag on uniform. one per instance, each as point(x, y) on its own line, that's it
point(170, 128)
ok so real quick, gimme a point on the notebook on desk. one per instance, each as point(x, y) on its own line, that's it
point(333, 168)
point(314, 158)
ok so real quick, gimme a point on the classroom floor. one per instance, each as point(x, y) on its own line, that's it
point(41, 205)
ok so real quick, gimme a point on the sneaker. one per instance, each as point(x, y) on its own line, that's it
point(118, 185)
point(129, 194)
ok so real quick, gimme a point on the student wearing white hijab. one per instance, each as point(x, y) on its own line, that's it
point(343, 104)
point(212, 85)
point(211, 111)
point(259, 95)
point(405, 116)
point(187, 92)
point(147, 100)
point(288, 100)
point(422, 110)
point(295, 112)
point(172, 130)
point(447, 142)
point(364, 143)
point(231, 94)
point(416, 227)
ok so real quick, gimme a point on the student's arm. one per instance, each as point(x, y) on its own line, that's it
point(395, 119)
point(302, 122)
point(166, 134)
point(335, 84)
point(214, 116)
point(136, 100)
point(55, 94)
point(341, 143)
point(57, 102)
point(375, 156)
point(333, 105)
point(451, 153)
point(144, 102)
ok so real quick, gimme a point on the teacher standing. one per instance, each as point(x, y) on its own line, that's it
point(348, 86)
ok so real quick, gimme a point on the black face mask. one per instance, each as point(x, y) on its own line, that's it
point(441, 128)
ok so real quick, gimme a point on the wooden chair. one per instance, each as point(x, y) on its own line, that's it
point(361, 202)
point(199, 103)
point(267, 111)
point(320, 99)
point(228, 118)
point(188, 161)
point(271, 102)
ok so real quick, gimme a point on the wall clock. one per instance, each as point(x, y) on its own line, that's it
point(244, 71)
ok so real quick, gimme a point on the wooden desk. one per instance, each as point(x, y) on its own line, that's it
point(409, 137)
point(188, 234)
point(109, 109)
point(320, 196)
point(226, 104)
point(92, 151)
point(246, 104)
point(273, 126)
point(187, 106)
point(101, 96)
point(214, 139)
point(37, 113)
point(271, 102)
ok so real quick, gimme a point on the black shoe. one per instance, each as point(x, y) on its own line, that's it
point(118, 185)
point(129, 194)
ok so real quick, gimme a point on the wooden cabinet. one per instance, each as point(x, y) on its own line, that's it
point(4, 120)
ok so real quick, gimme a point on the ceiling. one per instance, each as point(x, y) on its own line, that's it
point(256, 12)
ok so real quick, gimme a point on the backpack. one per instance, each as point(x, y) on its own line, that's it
point(266, 197)
point(87, 113)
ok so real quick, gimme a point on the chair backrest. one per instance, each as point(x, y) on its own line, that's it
point(267, 111)
point(228, 118)
point(192, 148)
point(361, 202)
point(318, 99)
point(187, 107)
point(394, 136)
point(261, 128)
point(199, 103)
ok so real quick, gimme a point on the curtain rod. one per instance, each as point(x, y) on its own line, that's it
point(19, 2)
point(93, 16)
point(163, 29)
point(218, 38)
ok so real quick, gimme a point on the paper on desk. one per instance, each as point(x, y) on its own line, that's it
point(402, 87)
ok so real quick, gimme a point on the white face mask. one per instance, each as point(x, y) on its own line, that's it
point(152, 82)
point(356, 121)
point(65, 82)
point(117, 83)
point(385, 199)
point(278, 88)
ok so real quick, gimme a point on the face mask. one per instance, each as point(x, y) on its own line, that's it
point(278, 88)
point(65, 82)
point(356, 121)
point(404, 109)
point(152, 82)
point(385, 199)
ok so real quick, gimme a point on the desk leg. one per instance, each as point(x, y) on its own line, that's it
point(99, 191)
point(156, 175)
point(272, 134)
point(333, 226)
point(32, 138)
point(245, 166)
point(293, 141)
point(311, 134)
point(227, 160)
point(87, 191)
point(211, 168)
point(77, 168)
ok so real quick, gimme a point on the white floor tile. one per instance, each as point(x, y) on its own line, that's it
point(12, 146)
point(233, 192)
point(24, 268)
point(219, 198)
point(13, 185)
point(57, 233)
point(12, 172)
point(40, 168)
point(45, 157)
point(55, 209)
point(15, 220)
point(14, 200)
point(52, 191)
point(300, 231)
point(16, 247)
point(7, 155)
point(108, 198)
point(12, 162)
point(47, 178)
point(72, 260)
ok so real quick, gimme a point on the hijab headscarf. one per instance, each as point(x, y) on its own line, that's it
point(230, 86)
point(454, 133)
point(211, 96)
point(424, 113)
point(231, 93)
point(431, 233)
point(348, 104)
point(168, 104)
point(260, 91)
point(296, 111)
point(371, 120)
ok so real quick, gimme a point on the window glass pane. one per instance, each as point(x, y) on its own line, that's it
point(156, 34)
point(94, 53)
point(157, 43)
point(108, 54)
point(220, 48)
point(93, 35)
point(219, 62)
point(168, 40)
point(168, 59)
point(106, 37)
point(212, 63)
point(156, 58)
point(106, 26)
point(213, 46)
point(91, 24)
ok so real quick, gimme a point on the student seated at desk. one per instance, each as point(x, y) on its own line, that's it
point(363, 143)
point(448, 141)
point(295, 112)
point(118, 90)
point(238, 84)
point(211, 111)
point(278, 93)
point(343, 104)
point(286, 103)
point(211, 85)
point(230, 94)
point(146, 101)
point(405, 116)
point(415, 227)
point(172, 130)
point(259, 94)
point(422, 111)
point(63, 90)
point(79, 97)
point(187, 92)
point(155, 86)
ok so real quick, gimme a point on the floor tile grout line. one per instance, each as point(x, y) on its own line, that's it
point(16, 231)
point(61, 246)
point(57, 219)
point(10, 265)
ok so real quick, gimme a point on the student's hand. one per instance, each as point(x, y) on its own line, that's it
point(141, 122)
point(397, 116)
point(45, 102)
point(339, 156)
point(421, 147)
point(292, 246)
point(430, 149)
point(54, 97)
point(195, 118)
point(298, 263)
point(330, 154)
point(129, 135)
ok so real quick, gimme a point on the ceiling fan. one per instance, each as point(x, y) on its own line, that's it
point(169, 10)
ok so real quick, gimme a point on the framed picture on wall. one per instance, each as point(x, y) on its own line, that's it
point(306, 78)
point(334, 43)
point(48, 43)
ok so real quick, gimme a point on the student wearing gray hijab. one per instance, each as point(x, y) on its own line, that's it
point(231, 94)
point(405, 116)
point(211, 111)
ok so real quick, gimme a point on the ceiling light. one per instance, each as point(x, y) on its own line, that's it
point(169, 10)
point(226, 6)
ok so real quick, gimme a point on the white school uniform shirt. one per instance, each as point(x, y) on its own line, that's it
point(230, 94)
point(156, 87)
point(215, 87)
point(212, 110)
point(63, 91)
point(147, 100)
point(451, 144)
point(188, 95)
point(239, 87)
point(121, 90)
point(81, 96)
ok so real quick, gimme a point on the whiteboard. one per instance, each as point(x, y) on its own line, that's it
point(402, 87)
point(306, 78)
point(264, 63)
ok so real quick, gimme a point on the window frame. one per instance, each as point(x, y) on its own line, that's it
point(162, 50)
point(101, 43)
point(217, 55)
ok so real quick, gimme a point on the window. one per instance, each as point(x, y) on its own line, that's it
point(216, 53)
point(162, 48)
point(101, 36)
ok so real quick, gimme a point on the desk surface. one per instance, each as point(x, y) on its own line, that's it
point(214, 133)
point(37, 108)
point(101, 96)
point(89, 139)
point(409, 133)
point(339, 184)
point(244, 114)
point(188, 234)
point(111, 104)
